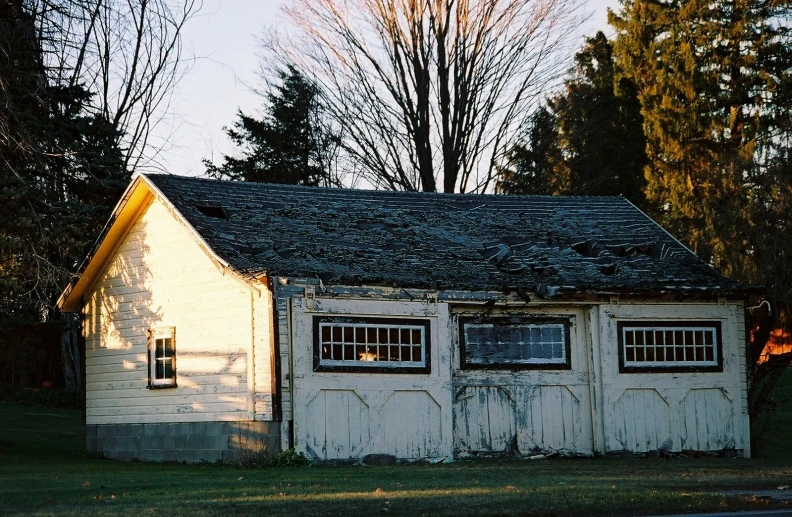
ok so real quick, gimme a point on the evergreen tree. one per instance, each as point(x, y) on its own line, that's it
point(289, 144)
point(711, 78)
point(600, 129)
point(589, 140)
point(531, 163)
point(60, 172)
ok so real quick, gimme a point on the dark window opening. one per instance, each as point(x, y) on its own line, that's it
point(216, 211)
point(162, 357)
point(515, 343)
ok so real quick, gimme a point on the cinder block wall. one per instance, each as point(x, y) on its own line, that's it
point(189, 441)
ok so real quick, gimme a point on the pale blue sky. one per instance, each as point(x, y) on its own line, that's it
point(223, 38)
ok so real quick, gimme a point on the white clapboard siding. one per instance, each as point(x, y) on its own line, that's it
point(115, 394)
point(159, 277)
point(168, 398)
point(106, 388)
point(703, 411)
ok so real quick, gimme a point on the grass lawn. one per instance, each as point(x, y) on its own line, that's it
point(44, 470)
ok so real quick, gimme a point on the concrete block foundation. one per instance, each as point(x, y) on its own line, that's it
point(190, 442)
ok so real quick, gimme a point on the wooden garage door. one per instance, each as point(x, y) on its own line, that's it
point(371, 377)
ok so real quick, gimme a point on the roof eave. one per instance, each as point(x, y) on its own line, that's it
point(124, 214)
point(133, 197)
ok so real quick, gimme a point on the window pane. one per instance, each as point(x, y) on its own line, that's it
point(663, 345)
point(514, 343)
point(362, 343)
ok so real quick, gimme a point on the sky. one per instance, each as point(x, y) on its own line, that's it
point(222, 39)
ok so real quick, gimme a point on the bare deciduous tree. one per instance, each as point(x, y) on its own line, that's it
point(430, 93)
point(127, 53)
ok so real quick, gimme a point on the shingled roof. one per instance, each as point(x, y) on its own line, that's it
point(539, 244)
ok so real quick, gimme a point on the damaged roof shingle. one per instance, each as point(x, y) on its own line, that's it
point(438, 241)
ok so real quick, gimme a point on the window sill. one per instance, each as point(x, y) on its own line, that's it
point(162, 386)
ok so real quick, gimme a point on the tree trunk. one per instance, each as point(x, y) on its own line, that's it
point(71, 352)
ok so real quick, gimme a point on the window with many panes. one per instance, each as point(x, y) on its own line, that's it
point(514, 342)
point(669, 346)
point(162, 357)
point(392, 345)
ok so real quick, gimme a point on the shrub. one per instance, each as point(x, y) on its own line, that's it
point(291, 458)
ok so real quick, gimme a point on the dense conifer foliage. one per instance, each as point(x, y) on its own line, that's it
point(588, 140)
point(289, 144)
point(82, 84)
point(61, 173)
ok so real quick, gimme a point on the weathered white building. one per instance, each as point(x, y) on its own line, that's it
point(221, 317)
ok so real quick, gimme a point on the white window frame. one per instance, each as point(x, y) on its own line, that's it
point(156, 334)
point(662, 328)
point(364, 363)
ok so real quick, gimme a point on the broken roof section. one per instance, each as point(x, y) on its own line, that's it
point(539, 244)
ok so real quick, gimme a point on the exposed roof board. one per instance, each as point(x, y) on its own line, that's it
point(438, 241)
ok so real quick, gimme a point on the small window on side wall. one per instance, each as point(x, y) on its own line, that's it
point(514, 343)
point(162, 357)
point(670, 346)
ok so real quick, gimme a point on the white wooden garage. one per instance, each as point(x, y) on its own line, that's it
point(221, 317)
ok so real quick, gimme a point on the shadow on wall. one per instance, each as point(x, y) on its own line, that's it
point(120, 309)
point(153, 282)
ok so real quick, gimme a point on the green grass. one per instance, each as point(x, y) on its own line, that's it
point(44, 470)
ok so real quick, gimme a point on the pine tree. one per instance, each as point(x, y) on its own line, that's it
point(600, 128)
point(60, 172)
point(288, 145)
point(710, 77)
point(531, 163)
point(588, 140)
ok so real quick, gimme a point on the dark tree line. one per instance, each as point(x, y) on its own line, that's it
point(588, 139)
point(80, 89)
